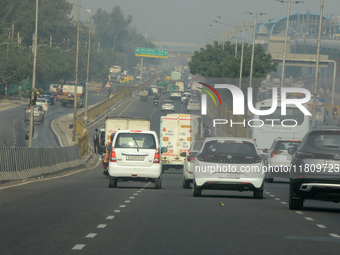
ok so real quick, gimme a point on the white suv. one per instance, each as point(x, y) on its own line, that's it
point(135, 156)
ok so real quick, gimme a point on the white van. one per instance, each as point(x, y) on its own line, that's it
point(135, 156)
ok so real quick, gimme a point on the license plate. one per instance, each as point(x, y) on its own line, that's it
point(36, 114)
point(135, 158)
point(229, 175)
point(289, 157)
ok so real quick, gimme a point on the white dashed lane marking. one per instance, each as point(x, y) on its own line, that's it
point(334, 235)
point(101, 226)
point(91, 235)
point(321, 226)
point(78, 247)
point(135, 194)
point(131, 197)
point(110, 217)
point(122, 206)
point(116, 211)
point(299, 212)
point(127, 201)
point(309, 218)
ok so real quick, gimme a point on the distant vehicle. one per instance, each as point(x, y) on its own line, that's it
point(101, 146)
point(176, 76)
point(143, 94)
point(38, 114)
point(49, 96)
point(185, 97)
point(69, 93)
point(195, 86)
point(177, 132)
point(188, 168)
point(113, 124)
point(194, 105)
point(43, 102)
point(114, 73)
point(168, 105)
point(314, 172)
point(135, 156)
point(228, 163)
point(278, 162)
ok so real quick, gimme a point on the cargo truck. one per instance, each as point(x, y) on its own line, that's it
point(112, 124)
point(177, 132)
point(114, 74)
point(176, 76)
point(68, 95)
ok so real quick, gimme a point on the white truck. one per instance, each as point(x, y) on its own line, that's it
point(177, 131)
point(68, 95)
point(180, 86)
point(115, 72)
point(112, 124)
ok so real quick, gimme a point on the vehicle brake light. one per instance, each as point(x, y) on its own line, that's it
point(136, 131)
point(275, 153)
point(113, 156)
point(190, 158)
point(156, 158)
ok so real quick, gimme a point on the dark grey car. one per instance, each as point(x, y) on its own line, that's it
point(315, 168)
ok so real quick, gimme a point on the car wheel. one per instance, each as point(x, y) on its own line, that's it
point(113, 183)
point(269, 179)
point(295, 202)
point(158, 183)
point(258, 193)
point(186, 183)
point(197, 192)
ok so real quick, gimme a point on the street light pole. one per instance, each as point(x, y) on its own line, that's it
point(241, 64)
point(317, 63)
point(74, 134)
point(286, 38)
point(30, 134)
point(88, 69)
point(253, 48)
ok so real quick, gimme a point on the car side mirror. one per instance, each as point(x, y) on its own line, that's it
point(265, 151)
point(183, 154)
point(291, 150)
point(164, 149)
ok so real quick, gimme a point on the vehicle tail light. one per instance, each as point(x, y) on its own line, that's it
point(255, 159)
point(302, 154)
point(113, 155)
point(27, 109)
point(42, 110)
point(136, 131)
point(156, 159)
point(190, 159)
point(275, 153)
point(100, 141)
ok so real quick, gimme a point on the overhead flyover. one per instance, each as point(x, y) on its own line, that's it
point(179, 49)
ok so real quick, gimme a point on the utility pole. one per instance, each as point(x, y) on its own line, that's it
point(74, 135)
point(242, 50)
point(33, 95)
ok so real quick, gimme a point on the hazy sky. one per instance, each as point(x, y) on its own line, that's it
point(187, 20)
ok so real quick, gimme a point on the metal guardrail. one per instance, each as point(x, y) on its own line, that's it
point(18, 163)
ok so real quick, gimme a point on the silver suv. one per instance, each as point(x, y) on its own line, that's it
point(315, 167)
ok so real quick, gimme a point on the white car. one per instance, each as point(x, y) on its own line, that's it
point(168, 105)
point(188, 167)
point(43, 102)
point(135, 156)
point(278, 162)
point(194, 105)
point(228, 163)
point(185, 97)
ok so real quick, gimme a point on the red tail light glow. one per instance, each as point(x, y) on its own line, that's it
point(275, 153)
point(113, 155)
point(156, 158)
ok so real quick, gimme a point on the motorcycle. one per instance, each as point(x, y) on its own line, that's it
point(155, 102)
point(335, 114)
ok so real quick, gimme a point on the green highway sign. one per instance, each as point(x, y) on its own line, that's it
point(151, 53)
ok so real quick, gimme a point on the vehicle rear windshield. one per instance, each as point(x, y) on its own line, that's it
point(233, 148)
point(291, 113)
point(324, 140)
point(135, 140)
point(284, 145)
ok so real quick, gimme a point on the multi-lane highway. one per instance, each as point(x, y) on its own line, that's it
point(79, 214)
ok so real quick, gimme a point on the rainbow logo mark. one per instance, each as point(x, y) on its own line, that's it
point(204, 97)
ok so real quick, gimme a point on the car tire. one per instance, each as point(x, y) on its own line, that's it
point(258, 193)
point(158, 183)
point(197, 192)
point(113, 183)
point(269, 179)
point(185, 183)
point(295, 203)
